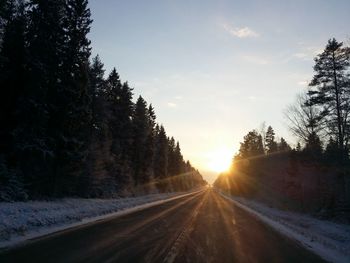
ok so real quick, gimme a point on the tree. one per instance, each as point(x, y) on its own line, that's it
point(331, 152)
point(313, 147)
point(251, 146)
point(161, 157)
point(283, 146)
point(150, 143)
point(13, 58)
point(330, 91)
point(97, 85)
point(7, 8)
point(120, 112)
point(262, 131)
point(141, 132)
point(178, 159)
point(35, 146)
point(114, 110)
point(171, 157)
point(65, 129)
point(271, 145)
point(305, 118)
point(70, 101)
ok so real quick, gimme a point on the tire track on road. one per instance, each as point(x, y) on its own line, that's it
point(183, 236)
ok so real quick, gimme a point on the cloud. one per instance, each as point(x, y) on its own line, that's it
point(172, 105)
point(255, 59)
point(240, 32)
point(308, 53)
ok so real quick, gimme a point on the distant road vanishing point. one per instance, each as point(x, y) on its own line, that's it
point(202, 227)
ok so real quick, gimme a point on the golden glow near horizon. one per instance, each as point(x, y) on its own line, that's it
point(220, 159)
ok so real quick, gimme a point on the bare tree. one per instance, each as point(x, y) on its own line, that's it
point(304, 119)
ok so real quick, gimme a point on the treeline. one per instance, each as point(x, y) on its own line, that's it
point(318, 166)
point(66, 129)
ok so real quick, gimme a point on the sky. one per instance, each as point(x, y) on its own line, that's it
point(215, 70)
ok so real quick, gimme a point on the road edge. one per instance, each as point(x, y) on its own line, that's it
point(19, 241)
point(321, 251)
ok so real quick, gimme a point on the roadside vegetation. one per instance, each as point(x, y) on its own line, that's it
point(68, 128)
point(314, 175)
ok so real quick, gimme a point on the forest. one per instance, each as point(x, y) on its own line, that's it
point(67, 127)
point(313, 176)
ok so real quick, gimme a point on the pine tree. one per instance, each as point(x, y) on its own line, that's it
point(271, 145)
point(251, 146)
point(330, 89)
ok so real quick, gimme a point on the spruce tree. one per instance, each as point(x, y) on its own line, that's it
point(13, 57)
point(283, 146)
point(36, 146)
point(141, 131)
point(70, 101)
point(161, 158)
point(150, 142)
point(331, 152)
point(171, 157)
point(97, 85)
point(119, 111)
point(313, 147)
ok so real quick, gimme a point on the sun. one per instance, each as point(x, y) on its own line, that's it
point(220, 160)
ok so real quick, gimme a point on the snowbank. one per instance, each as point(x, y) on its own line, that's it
point(329, 240)
point(21, 221)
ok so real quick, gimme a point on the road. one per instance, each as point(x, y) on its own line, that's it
point(203, 227)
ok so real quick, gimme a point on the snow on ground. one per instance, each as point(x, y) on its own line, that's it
point(328, 239)
point(21, 221)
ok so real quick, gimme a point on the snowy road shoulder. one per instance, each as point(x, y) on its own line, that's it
point(22, 221)
point(329, 240)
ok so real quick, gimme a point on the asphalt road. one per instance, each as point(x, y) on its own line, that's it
point(203, 227)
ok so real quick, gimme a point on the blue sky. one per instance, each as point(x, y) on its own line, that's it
point(216, 69)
